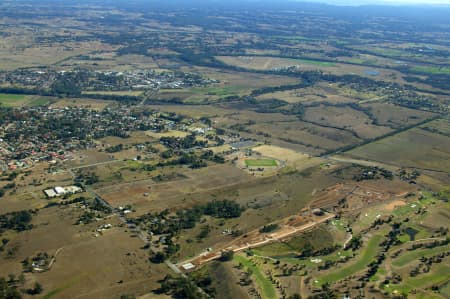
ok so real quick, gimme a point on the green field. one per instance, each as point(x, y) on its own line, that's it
point(267, 289)
point(431, 70)
point(260, 162)
point(12, 99)
point(316, 62)
point(368, 254)
point(445, 290)
point(438, 274)
point(217, 91)
point(409, 256)
point(16, 100)
point(39, 102)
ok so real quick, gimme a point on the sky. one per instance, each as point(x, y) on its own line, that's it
point(393, 2)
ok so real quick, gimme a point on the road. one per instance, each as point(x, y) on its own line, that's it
point(268, 239)
point(142, 235)
point(95, 164)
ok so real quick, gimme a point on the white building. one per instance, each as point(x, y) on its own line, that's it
point(60, 191)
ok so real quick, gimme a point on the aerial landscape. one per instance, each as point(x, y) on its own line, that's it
point(224, 149)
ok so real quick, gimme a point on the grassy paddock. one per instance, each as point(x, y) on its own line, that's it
point(367, 255)
point(260, 162)
point(407, 257)
point(12, 99)
point(267, 289)
point(431, 70)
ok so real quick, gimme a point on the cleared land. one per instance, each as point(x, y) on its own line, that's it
point(414, 148)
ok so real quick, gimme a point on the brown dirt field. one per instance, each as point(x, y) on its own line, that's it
point(308, 134)
point(395, 116)
point(394, 204)
point(101, 261)
point(266, 63)
point(88, 157)
point(166, 134)
point(361, 194)
point(168, 194)
point(345, 118)
point(308, 96)
point(267, 199)
point(280, 153)
point(414, 148)
point(82, 103)
point(244, 80)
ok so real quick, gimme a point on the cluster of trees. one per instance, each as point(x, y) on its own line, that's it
point(308, 250)
point(7, 187)
point(194, 161)
point(166, 223)
point(269, 228)
point(223, 209)
point(183, 287)
point(373, 173)
point(441, 81)
point(169, 225)
point(89, 178)
point(8, 289)
point(114, 148)
point(18, 221)
point(178, 143)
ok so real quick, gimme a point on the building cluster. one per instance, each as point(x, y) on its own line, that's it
point(32, 134)
point(61, 191)
point(89, 80)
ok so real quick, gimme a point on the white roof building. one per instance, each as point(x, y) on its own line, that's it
point(188, 266)
point(60, 190)
point(50, 193)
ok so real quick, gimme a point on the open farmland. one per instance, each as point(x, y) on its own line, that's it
point(56, 234)
point(246, 149)
point(426, 150)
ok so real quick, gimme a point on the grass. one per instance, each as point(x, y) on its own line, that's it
point(407, 209)
point(445, 290)
point(316, 62)
point(40, 102)
point(431, 69)
point(409, 256)
point(260, 162)
point(267, 289)
point(296, 37)
point(438, 275)
point(217, 91)
point(67, 285)
point(368, 254)
point(15, 100)
point(11, 99)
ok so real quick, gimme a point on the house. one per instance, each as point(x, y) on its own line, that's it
point(60, 191)
point(188, 266)
point(50, 193)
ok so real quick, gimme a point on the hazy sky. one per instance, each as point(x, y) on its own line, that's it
point(395, 2)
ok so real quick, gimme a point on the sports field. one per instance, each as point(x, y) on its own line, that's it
point(260, 162)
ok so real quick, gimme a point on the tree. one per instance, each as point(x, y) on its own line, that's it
point(37, 288)
point(226, 256)
point(158, 258)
